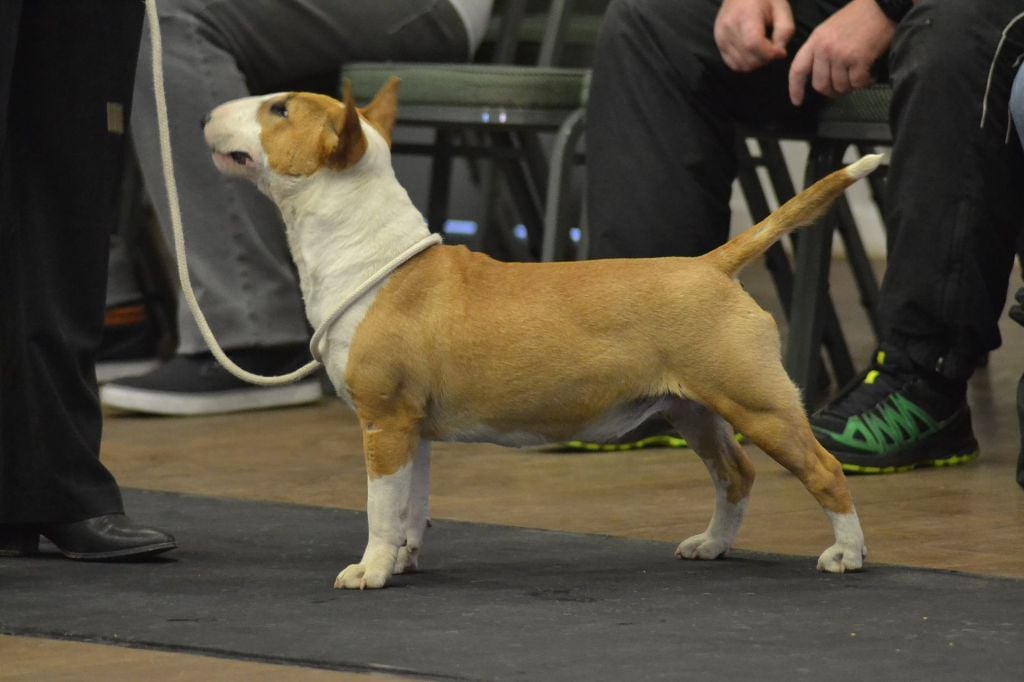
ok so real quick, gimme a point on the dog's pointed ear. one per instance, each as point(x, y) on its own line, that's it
point(351, 143)
point(383, 110)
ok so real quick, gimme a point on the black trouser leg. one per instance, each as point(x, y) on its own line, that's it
point(661, 125)
point(58, 188)
point(954, 205)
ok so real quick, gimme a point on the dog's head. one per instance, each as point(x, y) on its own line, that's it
point(294, 135)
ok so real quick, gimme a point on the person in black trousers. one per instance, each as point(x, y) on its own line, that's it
point(673, 80)
point(66, 72)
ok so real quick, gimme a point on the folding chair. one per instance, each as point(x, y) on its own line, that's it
point(495, 110)
point(859, 119)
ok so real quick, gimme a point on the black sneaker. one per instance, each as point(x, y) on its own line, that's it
point(895, 418)
point(131, 339)
point(197, 384)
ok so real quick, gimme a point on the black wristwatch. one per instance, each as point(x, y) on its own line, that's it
point(895, 9)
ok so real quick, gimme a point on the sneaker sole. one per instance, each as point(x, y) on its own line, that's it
point(120, 369)
point(650, 442)
point(952, 460)
point(173, 404)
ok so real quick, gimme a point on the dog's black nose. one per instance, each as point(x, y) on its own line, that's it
point(204, 120)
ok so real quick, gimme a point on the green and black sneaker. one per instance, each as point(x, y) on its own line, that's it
point(895, 418)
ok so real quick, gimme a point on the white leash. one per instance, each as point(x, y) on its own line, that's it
point(179, 241)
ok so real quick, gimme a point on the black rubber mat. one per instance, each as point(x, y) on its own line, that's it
point(254, 581)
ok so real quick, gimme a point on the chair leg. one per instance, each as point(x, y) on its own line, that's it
point(583, 247)
point(753, 193)
point(494, 240)
point(535, 161)
point(778, 172)
point(440, 180)
point(876, 181)
point(860, 264)
point(532, 178)
point(517, 182)
point(775, 259)
point(810, 289)
point(563, 152)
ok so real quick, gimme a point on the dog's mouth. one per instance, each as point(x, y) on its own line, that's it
point(233, 163)
point(239, 158)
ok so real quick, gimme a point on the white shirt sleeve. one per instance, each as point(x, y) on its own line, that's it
point(475, 15)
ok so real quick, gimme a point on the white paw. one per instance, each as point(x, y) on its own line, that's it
point(360, 577)
point(702, 546)
point(840, 559)
point(407, 560)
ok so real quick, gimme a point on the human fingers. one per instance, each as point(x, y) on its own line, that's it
point(798, 73)
point(839, 79)
point(741, 33)
point(783, 26)
point(821, 74)
point(756, 48)
point(860, 76)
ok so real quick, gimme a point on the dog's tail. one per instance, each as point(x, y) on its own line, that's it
point(800, 211)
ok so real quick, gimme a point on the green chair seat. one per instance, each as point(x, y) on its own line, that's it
point(487, 94)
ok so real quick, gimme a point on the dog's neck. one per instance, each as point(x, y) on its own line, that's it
point(344, 226)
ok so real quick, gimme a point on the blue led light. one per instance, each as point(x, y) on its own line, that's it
point(466, 228)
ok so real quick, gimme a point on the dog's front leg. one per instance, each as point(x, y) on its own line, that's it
point(386, 506)
point(389, 454)
point(416, 519)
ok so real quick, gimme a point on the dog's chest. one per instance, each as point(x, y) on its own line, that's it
point(337, 342)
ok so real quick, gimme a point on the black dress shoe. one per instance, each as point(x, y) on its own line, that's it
point(108, 537)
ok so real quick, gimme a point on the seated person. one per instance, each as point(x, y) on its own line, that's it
point(673, 80)
point(240, 267)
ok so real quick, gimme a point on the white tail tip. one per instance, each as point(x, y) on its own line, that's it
point(863, 166)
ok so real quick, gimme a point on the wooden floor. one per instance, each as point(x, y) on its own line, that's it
point(968, 518)
point(43, 660)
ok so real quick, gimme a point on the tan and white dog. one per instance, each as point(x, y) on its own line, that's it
point(455, 346)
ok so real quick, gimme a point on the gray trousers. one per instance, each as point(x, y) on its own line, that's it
point(218, 50)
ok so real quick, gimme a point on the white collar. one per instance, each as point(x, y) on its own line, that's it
point(373, 280)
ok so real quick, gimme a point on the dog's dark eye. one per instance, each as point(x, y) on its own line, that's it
point(279, 109)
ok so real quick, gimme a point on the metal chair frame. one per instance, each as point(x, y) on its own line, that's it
point(506, 136)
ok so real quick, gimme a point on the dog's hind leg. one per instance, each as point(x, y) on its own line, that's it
point(732, 474)
point(781, 429)
point(418, 514)
point(389, 446)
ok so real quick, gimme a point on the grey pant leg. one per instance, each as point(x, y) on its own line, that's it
point(217, 50)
